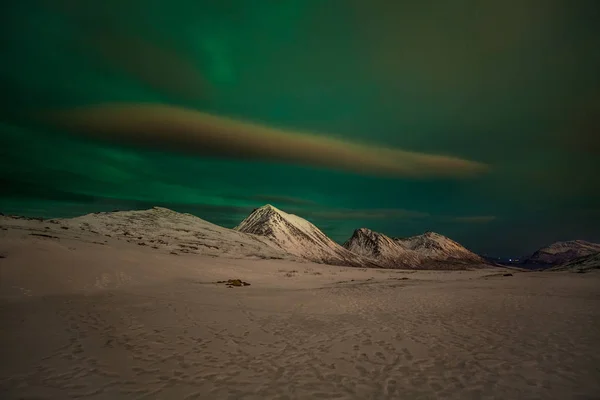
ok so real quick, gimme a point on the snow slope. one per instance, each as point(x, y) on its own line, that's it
point(267, 233)
point(433, 246)
point(162, 228)
point(427, 251)
point(384, 249)
point(563, 252)
point(299, 237)
point(583, 264)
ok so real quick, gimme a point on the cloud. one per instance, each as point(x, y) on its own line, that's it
point(155, 64)
point(130, 38)
point(581, 133)
point(310, 209)
point(282, 199)
point(453, 46)
point(479, 219)
point(589, 213)
point(186, 130)
point(364, 214)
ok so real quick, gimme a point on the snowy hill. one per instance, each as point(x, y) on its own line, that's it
point(581, 264)
point(267, 233)
point(433, 246)
point(299, 237)
point(427, 251)
point(162, 228)
point(563, 252)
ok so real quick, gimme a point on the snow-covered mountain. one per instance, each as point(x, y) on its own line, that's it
point(267, 233)
point(299, 237)
point(427, 251)
point(162, 228)
point(436, 247)
point(384, 249)
point(563, 252)
point(581, 264)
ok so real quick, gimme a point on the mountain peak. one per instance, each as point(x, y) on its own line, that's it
point(429, 249)
point(373, 244)
point(433, 236)
point(269, 207)
point(268, 211)
point(261, 220)
point(363, 231)
point(297, 236)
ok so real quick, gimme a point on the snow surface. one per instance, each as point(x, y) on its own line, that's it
point(89, 316)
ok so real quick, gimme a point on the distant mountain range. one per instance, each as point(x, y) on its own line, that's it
point(563, 252)
point(366, 248)
point(428, 251)
point(558, 256)
point(580, 264)
point(298, 237)
point(269, 233)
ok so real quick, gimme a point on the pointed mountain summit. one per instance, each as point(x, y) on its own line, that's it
point(299, 237)
point(428, 251)
point(563, 252)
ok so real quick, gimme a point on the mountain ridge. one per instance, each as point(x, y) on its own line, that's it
point(427, 251)
point(562, 252)
point(580, 264)
point(164, 228)
point(268, 232)
point(299, 237)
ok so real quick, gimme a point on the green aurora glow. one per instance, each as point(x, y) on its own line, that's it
point(512, 84)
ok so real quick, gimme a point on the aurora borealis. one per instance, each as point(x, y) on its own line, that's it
point(477, 120)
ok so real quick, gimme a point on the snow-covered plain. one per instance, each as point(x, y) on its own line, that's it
point(86, 315)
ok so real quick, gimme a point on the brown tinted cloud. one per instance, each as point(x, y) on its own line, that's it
point(179, 129)
point(116, 34)
point(479, 219)
point(451, 45)
point(282, 199)
point(366, 214)
point(581, 133)
point(159, 66)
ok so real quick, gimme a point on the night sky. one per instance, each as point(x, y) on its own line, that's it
point(475, 119)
